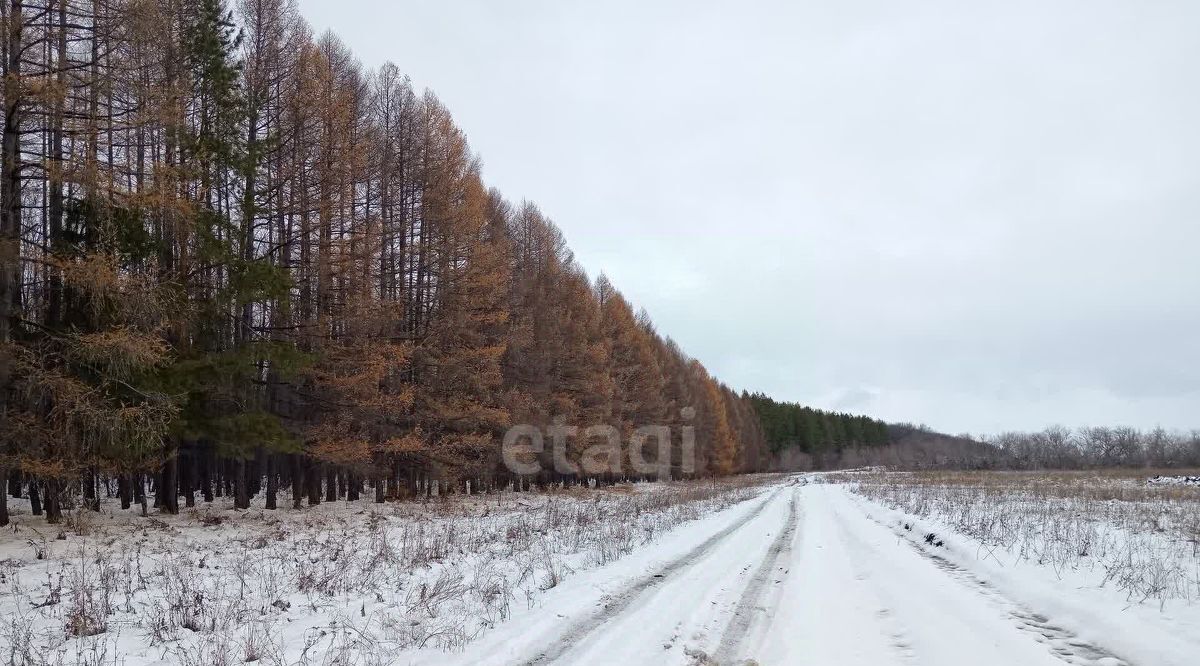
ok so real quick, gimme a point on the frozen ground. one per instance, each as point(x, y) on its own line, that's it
point(813, 573)
point(1175, 480)
point(798, 571)
point(339, 583)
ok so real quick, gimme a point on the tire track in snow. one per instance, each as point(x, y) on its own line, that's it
point(615, 604)
point(1061, 642)
point(748, 606)
point(891, 626)
point(1064, 643)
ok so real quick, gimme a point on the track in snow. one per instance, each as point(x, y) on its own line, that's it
point(935, 612)
point(805, 576)
point(615, 604)
point(749, 609)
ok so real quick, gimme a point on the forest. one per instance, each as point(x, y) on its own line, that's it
point(236, 261)
point(788, 424)
point(801, 437)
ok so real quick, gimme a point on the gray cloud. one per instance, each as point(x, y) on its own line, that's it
point(976, 215)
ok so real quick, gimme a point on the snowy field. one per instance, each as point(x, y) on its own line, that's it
point(339, 583)
point(862, 568)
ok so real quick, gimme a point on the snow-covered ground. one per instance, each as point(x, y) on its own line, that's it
point(1074, 610)
point(1170, 480)
point(816, 574)
point(793, 571)
point(339, 583)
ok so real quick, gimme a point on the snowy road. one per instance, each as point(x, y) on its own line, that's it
point(862, 595)
point(804, 574)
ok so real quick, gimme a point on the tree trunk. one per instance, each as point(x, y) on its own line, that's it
point(10, 203)
point(54, 181)
point(257, 470)
point(35, 497)
point(312, 480)
point(124, 490)
point(3, 496)
point(241, 497)
point(297, 481)
point(139, 490)
point(206, 485)
point(53, 502)
point(170, 485)
point(188, 477)
point(90, 498)
point(272, 482)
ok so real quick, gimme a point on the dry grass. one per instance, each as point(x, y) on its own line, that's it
point(1125, 485)
point(359, 582)
point(1140, 538)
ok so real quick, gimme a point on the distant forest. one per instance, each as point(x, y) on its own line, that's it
point(801, 437)
point(787, 424)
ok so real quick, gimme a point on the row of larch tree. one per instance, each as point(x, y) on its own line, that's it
point(234, 262)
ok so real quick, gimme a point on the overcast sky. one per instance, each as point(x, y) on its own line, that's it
point(976, 215)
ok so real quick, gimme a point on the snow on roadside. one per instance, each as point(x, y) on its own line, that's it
point(338, 583)
point(1076, 595)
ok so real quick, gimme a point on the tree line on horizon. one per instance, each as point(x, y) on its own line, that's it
point(815, 432)
point(234, 261)
point(804, 438)
point(1091, 447)
point(914, 447)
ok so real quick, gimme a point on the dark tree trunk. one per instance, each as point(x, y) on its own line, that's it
point(35, 497)
point(189, 480)
point(254, 483)
point(331, 484)
point(170, 485)
point(297, 481)
point(313, 481)
point(157, 485)
point(242, 496)
point(10, 199)
point(272, 482)
point(53, 502)
point(394, 484)
point(139, 489)
point(206, 485)
point(139, 492)
point(124, 491)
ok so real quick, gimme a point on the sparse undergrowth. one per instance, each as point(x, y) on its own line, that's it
point(1142, 538)
point(337, 584)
